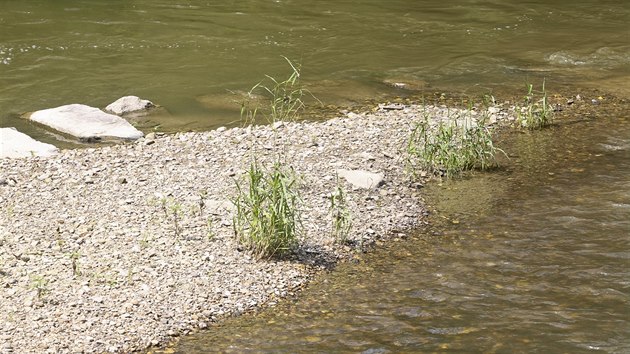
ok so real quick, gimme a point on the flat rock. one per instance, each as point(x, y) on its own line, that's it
point(361, 179)
point(129, 104)
point(86, 123)
point(15, 144)
point(218, 207)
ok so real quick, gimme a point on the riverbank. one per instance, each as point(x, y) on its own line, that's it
point(97, 259)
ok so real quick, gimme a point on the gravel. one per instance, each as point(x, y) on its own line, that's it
point(119, 248)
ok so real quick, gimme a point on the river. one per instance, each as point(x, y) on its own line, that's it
point(532, 258)
point(189, 55)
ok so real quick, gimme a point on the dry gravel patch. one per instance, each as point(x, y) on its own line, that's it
point(95, 259)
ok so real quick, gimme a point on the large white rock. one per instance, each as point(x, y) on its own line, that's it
point(85, 122)
point(129, 104)
point(15, 144)
point(361, 179)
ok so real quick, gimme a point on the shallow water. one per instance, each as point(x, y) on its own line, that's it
point(187, 55)
point(532, 258)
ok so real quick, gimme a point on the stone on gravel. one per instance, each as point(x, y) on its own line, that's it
point(361, 179)
point(129, 104)
point(86, 123)
point(14, 144)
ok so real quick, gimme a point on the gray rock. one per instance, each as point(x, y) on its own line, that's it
point(15, 144)
point(361, 179)
point(129, 104)
point(86, 123)
point(217, 207)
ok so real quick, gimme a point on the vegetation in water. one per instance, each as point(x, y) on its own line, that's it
point(285, 98)
point(267, 219)
point(536, 112)
point(451, 147)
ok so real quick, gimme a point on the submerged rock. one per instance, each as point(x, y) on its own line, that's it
point(15, 144)
point(129, 104)
point(86, 123)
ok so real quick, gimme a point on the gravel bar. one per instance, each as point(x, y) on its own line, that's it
point(119, 248)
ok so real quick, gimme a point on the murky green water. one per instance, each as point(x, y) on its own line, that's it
point(186, 55)
point(531, 259)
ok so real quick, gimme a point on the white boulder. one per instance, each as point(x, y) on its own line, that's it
point(86, 123)
point(14, 144)
point(361, 179)
point(129, 104)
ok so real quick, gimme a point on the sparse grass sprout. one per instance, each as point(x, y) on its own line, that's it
point(341, 217)
point(536, 112)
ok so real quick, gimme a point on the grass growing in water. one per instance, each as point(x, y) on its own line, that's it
point(285, 102)
point(450, 148)
point(536, 113)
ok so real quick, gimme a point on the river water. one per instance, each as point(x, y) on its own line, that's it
point(188, 55)
point(534, 258)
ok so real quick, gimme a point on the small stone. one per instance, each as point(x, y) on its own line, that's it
point(494, 110)
point(278, 125)
point(392, 106)
point(361, 179)
point(129, 104)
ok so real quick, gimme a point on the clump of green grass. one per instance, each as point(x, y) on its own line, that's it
point(536, 112)
point(267, 219)
point(450, 148)
point(285, 98)
point(341, 217)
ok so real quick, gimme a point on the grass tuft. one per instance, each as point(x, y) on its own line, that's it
point(267, 219)
point(450, 148)
point(536, 112)
point(285, 99)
